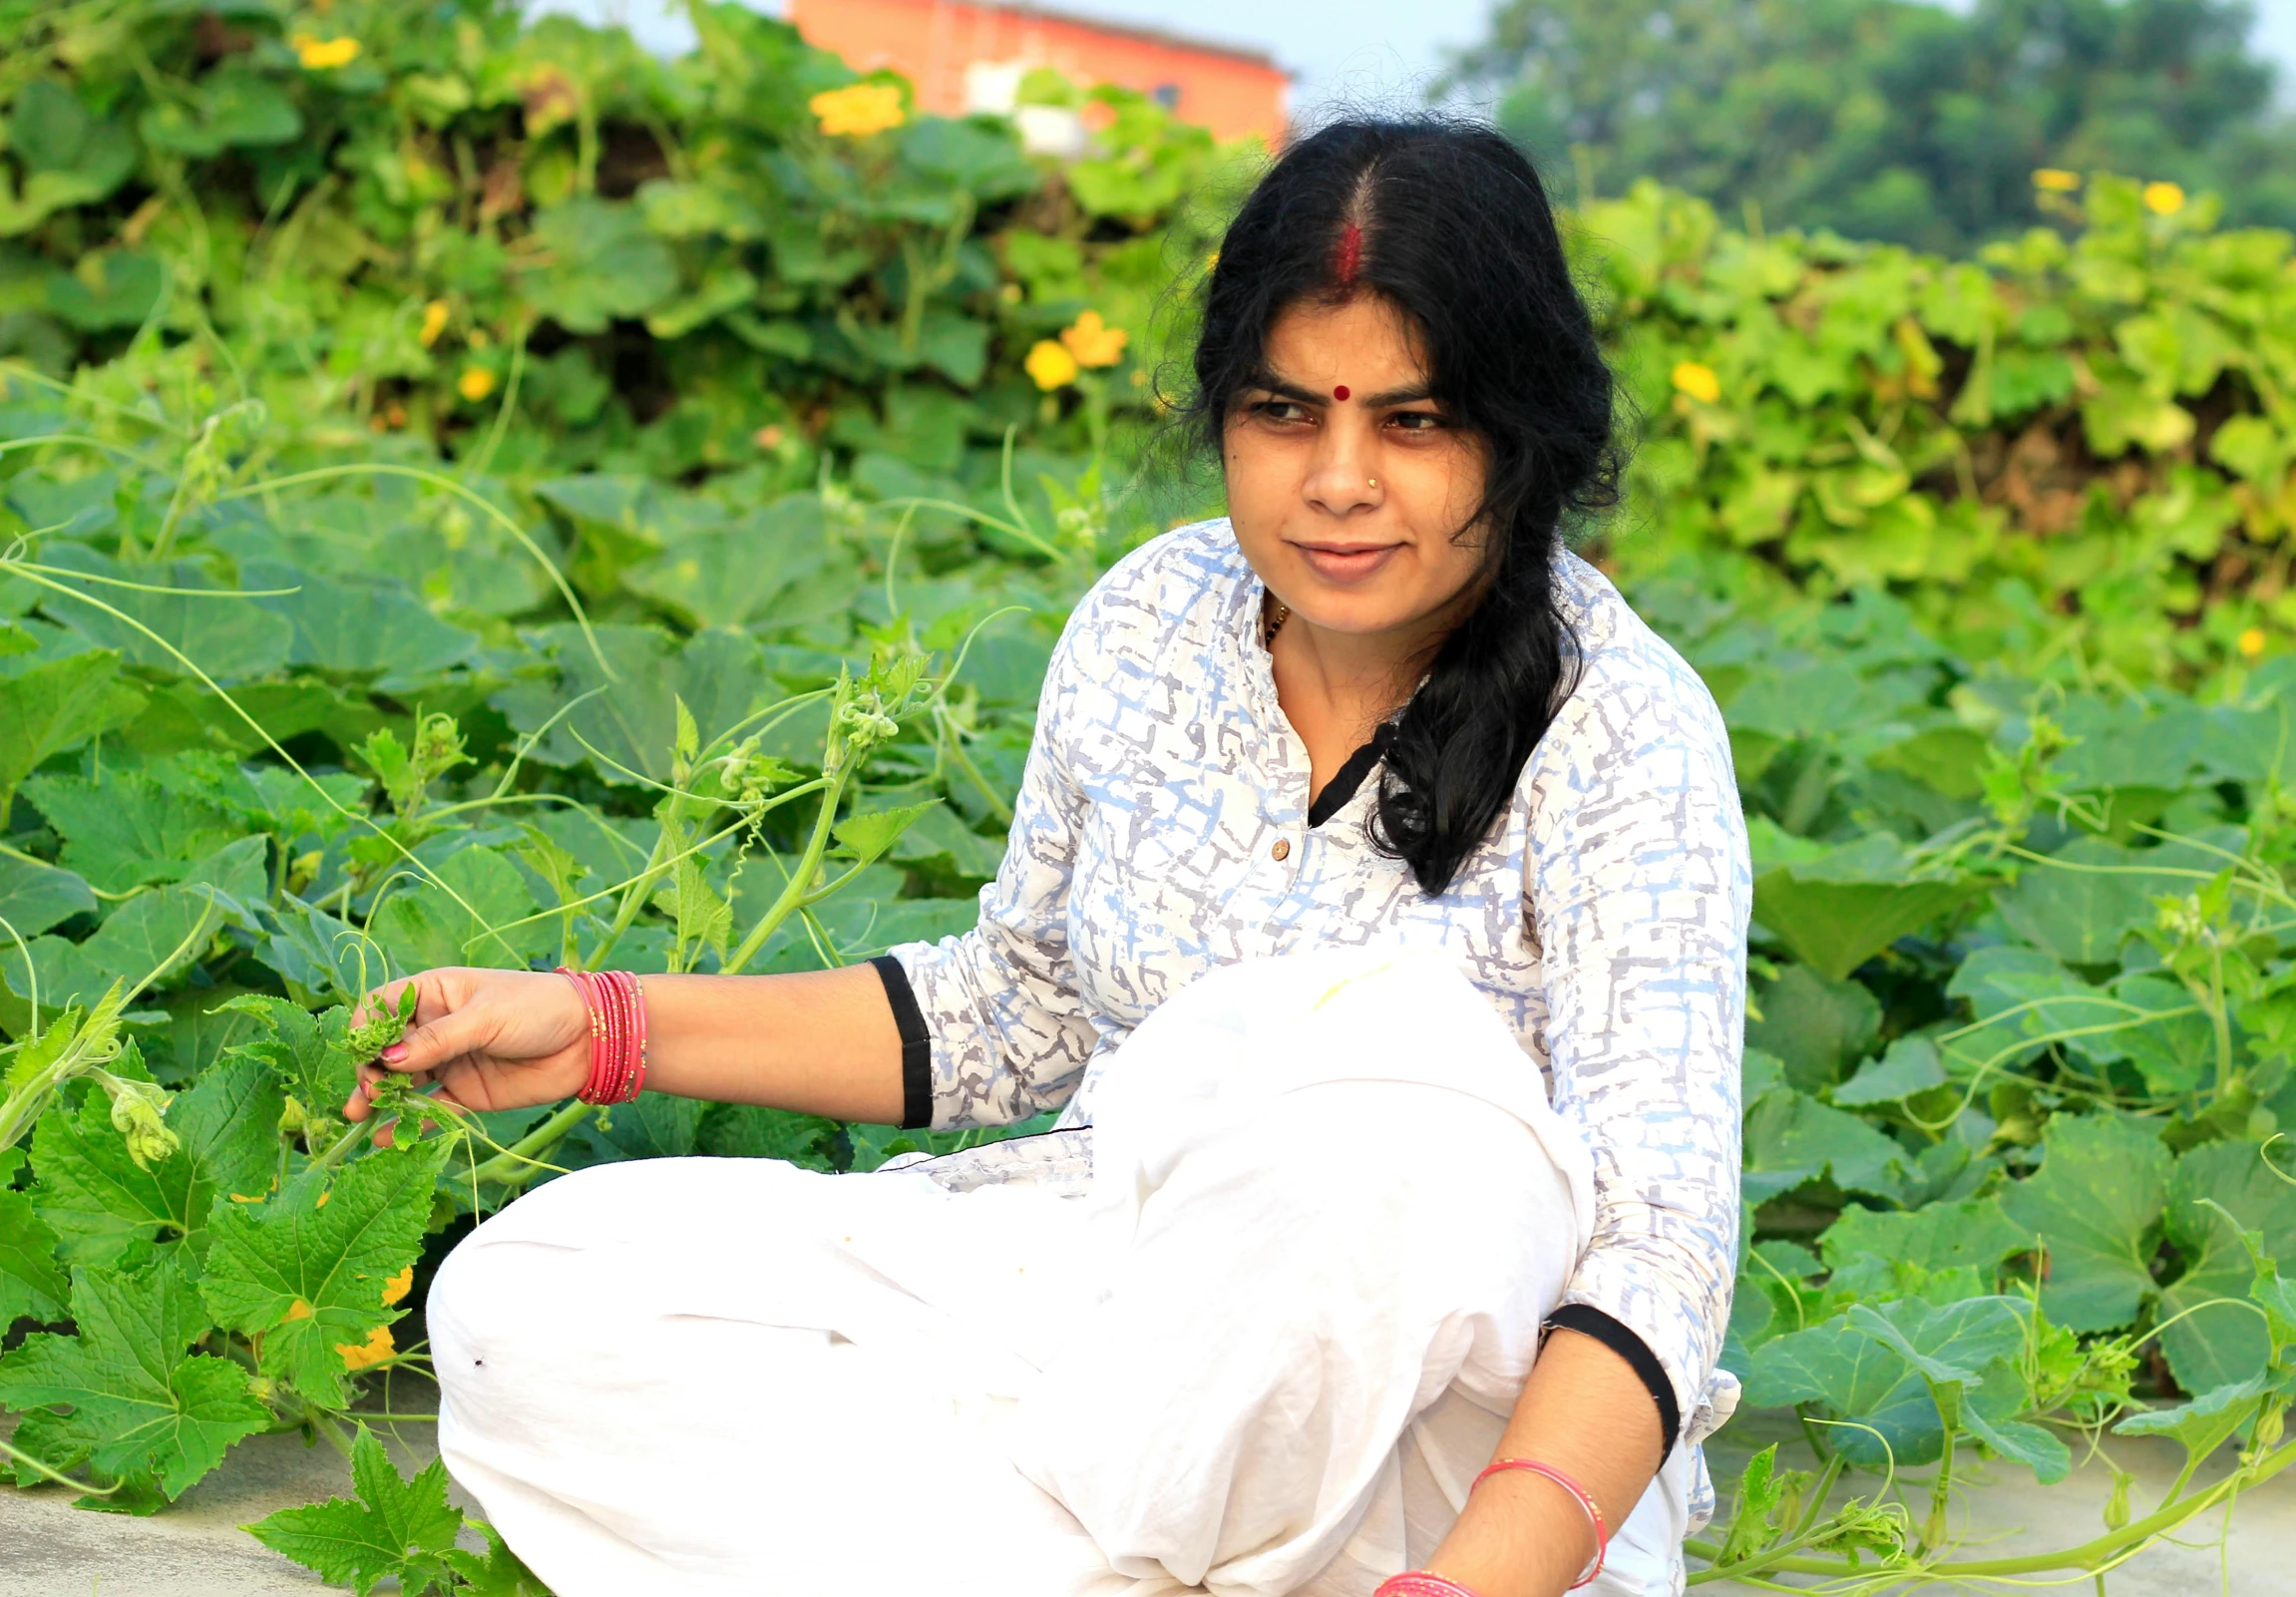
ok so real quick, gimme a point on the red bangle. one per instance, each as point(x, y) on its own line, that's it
point(1421, 1583)
point(616, 1003)
point(1586, 1502)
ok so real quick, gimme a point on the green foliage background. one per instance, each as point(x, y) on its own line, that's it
point(529, 502)
point(1901, 120)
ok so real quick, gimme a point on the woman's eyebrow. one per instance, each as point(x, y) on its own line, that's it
point(1409, 394)
point(1288, 390)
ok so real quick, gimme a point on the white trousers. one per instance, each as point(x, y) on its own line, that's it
point(1265, 1353)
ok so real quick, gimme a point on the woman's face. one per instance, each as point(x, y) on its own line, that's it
point(1348, 485)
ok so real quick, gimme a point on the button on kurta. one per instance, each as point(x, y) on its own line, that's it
point(1283, 849)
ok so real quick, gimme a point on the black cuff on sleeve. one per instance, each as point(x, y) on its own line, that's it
point(1592, 1322)
point(916, 1046)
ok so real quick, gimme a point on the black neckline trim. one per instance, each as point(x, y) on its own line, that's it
point(1350, 777)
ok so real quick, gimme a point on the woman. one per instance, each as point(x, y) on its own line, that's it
point(1357, 824)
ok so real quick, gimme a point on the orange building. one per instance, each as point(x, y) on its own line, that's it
point(965, 57)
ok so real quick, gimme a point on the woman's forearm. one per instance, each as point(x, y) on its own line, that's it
point(822, 1042)
point(1586, 1412)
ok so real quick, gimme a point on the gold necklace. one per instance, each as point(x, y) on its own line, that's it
point(1273, 621)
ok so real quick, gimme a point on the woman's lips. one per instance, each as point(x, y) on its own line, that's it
point(1341, 562)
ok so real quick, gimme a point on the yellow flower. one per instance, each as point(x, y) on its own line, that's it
point(377, 1347)
point(398, 1286)
point(1093, 342)
point(2163, 199)
point(857, 110)
point(317, 55)
point(1698, 380)
point(1050, 365)
point(475, 383)
point(2056, 180)
point(434, 322)
point(2252, 643)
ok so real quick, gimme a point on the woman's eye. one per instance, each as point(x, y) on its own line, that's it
point(1280, 410)
point(1416, 421)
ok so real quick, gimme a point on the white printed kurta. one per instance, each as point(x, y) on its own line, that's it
point(1161, 831)
point(1251, 1335)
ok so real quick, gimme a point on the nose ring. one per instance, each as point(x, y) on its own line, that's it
point(1374, 480)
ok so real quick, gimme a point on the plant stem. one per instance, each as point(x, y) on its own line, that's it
point(1934, 1534)
point(1803, 1534)
point(632, 899)
point(795, 893)
point(2088, 1556)
point(25, 1461)
point(346, 1144)
point(516, 1163)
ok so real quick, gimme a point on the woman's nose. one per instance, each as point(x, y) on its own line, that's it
point(1341, 481)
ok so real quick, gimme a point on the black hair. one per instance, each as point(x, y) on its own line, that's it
point(1446, 221)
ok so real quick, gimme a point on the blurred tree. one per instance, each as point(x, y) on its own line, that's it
point(1890, 119)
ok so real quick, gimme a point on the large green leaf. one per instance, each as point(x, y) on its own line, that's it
point(1791, 1138)
point(1965, 1352)
point(307, 1270)
point(57, 705)
point(633, 721)
point(982, 159)
point(2217, 1338)
point(31, 1281)
point(127, 829)
point(2093, 1203)
point(598, 263)
point(110, 1213)
point(1840, 909)
point(153, 935)
point(394, 1529)
point(70, 157)
point(308, 1053)
point(233, 106)
point(1973, 1233)
point(144, 1408)
point(228, 637)
point(2170, 1041)
point(752, 1131)
point(34, 897)
point(1856, 1378)
point(1910, 1065)
point(1816, 1027)
point(2082, 902)
point(2205, 1424)
point(2030, 1000)
point(733, 574)
point(653, 1125)
point(365, 627)
point(471, 915)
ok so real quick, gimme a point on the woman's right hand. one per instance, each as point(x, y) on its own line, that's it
point(489, 1039)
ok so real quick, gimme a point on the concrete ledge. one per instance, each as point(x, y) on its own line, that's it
point(48, 1548)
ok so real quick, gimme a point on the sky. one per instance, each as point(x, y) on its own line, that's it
point(1362, 50)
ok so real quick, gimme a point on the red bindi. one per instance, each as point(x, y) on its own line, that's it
point(1341, 392)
